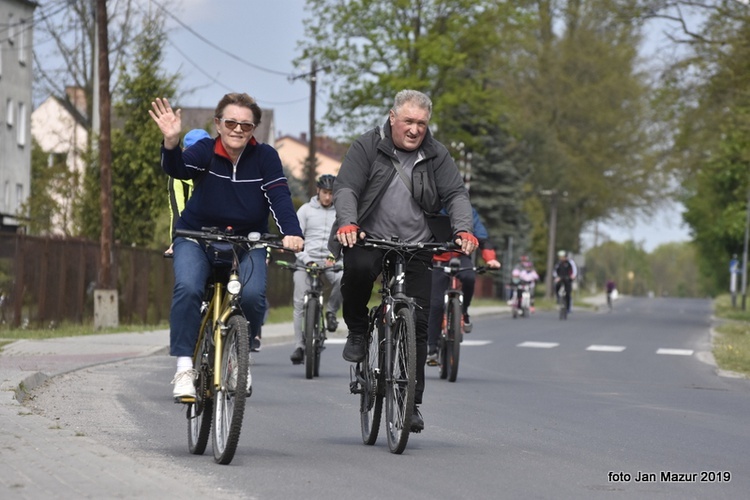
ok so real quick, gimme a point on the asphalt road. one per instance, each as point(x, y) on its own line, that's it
point(542, 408)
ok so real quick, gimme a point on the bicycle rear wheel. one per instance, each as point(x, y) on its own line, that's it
point(199, 413)
point(371, 395)
point(312, 320)
point(563, 306)
point(229, 403)
point(453, 338)
point(401, 376)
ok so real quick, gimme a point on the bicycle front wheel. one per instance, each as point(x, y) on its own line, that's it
point(199, 412)
point(453, 339)
point(401, 376)
point(312, 320)
point(371, 395)
point(229, 403)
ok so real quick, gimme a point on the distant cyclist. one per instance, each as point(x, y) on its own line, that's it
point(316, 219)
point(564, 273)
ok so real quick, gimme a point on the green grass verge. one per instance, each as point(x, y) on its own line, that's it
point(731, 347)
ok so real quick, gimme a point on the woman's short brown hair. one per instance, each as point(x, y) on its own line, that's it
point(239, 99)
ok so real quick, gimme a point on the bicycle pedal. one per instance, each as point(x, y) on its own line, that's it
point(432, 362)
point(184, 400)
point(354, 388)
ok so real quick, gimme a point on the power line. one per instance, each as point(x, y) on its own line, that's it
point(220, 49)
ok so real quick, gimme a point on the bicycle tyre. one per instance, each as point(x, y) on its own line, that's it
point(443, 355)
point(401, 380)
point(200, 413)
point(312, 320)
point(563, 307)
point(371, 395)
point(229, 403)
point(454, 338)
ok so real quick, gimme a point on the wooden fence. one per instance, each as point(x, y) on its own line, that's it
point(44, 281)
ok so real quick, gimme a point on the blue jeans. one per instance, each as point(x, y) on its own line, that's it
point(191, 270)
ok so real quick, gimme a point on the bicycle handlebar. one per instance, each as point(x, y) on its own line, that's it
point(432, 247)
point(253, 239)
point(477, 269)
point(293, 266)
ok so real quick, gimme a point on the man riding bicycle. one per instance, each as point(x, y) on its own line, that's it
point(564, 274)
point(373, 198)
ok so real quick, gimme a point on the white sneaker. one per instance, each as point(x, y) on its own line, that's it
point(184, 386)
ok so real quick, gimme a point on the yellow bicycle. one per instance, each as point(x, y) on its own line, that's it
point(221, 355)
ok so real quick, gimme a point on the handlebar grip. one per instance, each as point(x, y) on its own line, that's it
point(189, 233)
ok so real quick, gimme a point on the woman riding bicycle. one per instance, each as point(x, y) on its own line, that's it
point(238, 182)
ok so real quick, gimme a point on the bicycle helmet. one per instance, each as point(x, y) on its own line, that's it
point(326, 181)
point(562, 253)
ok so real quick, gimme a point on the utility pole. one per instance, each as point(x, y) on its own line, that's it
point(105, 298)
point(553, 199)
point(312, 161)
point(744, 253)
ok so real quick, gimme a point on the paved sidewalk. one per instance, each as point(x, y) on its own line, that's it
point(40, 460)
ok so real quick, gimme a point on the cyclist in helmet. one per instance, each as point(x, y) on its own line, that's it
point(564, 273)
point(316, 218)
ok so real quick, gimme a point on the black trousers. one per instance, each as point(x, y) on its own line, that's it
point(440, 283)
point(362, 266)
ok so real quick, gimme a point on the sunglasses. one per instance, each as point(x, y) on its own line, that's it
point(232, 124)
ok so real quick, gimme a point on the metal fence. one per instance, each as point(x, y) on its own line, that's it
point(44, 281)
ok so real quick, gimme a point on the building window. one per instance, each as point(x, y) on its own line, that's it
point(19, 197)
point(9, 112)
point(22, 34)
point(11, 30)
point(21, 124)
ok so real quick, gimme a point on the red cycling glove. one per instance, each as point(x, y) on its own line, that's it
point(349, 228)
point(467, 236)
point(488, 254)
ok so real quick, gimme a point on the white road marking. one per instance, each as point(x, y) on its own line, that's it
point(675, 352)
point(475, 342)
point(606, 348)
point(472, 343)
point(538, 345)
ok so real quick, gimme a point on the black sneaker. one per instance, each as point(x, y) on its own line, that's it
point(354, 350)
point(331, 322)
point(467, 324)
point(417, 422)
point(255, 344)
point(297, 356)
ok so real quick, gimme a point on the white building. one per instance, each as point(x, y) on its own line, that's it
point(16, 29)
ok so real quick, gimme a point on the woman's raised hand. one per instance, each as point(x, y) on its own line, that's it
point(169, 122)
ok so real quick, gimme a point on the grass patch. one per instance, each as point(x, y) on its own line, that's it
point(731, 347)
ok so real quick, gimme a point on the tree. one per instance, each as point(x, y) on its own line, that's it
point(453, 50)
point(709, 91)
point(138, 183)
point(71, 30)
point(48, 204)
point(585, 114)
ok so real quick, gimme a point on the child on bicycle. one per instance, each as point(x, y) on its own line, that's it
point(316, 219)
